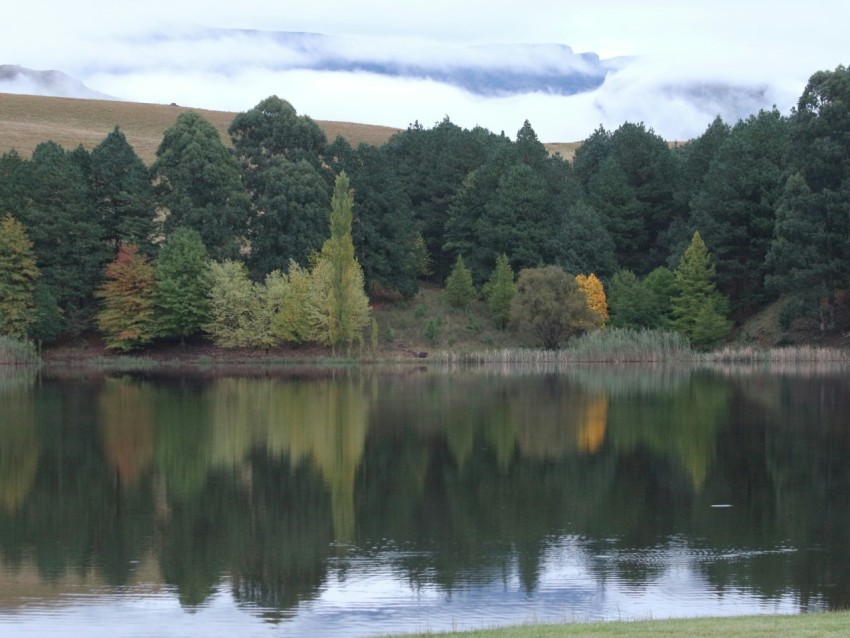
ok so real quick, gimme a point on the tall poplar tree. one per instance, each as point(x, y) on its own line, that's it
point(342, 307)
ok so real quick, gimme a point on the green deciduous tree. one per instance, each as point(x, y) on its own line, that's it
point(460, 291)
point(500, 290)
point(291, 296)
point(18, 276)
point(550, 306)
point(699, 310)
point(127, 318)
point(198, 183)
point(182, 284)
point(238, 308)
point(341, 304)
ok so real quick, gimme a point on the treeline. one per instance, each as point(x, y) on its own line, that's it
point(769, 196)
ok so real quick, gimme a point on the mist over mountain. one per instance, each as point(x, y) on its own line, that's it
point(20, 80)
point(393, 81)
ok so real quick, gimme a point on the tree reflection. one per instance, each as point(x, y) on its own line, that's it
point(260, 484)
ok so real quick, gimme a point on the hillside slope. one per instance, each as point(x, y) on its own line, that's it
point(27, 120)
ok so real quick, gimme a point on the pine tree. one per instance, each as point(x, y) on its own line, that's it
point(699, 310)
point(341, 305)
point(500, 290)
point(198, 181)
point(18, 275)
point(123, 192)
point(63, 223)
point(460, 290)
point(127, 318)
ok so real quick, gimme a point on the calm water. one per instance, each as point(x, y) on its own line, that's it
point(358, 503)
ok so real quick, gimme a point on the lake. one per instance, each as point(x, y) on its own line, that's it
point(360, 502)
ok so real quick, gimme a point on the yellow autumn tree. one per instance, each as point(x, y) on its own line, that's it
point(595, 292)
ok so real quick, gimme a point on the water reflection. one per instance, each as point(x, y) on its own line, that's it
point(555, 493)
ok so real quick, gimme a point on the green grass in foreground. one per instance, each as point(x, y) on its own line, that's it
point(803, 625)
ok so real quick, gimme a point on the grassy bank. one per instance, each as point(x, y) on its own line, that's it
point(804, 625)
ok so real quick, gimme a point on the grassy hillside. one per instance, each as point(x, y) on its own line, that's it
point(27, 120)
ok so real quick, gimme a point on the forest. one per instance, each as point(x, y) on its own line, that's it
point(283, 235)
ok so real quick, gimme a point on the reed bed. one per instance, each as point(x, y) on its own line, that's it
point(786, 355)
point(17, 352)
point(616, 345)
point(628, 345)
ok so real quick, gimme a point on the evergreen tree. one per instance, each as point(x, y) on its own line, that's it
point(63, 223)
point(341, 305)
point(14, 183)
point(500, 290)
point(582, 243)
point(631, 304)
point(18, 276)
point(290, 217)
point(122, 189)
point(460, 291)
point(662, 288)
point(805, 260)
point(812, 246)
point(182, 284)
point(198, 182)
point(389, 246)
point(735, 210)
point(127, 318)
point(610, 193)
point(699, 310)
point(273, 129)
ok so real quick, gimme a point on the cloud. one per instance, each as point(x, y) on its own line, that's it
point(390, 62)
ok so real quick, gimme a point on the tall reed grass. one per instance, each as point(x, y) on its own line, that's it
point(615, 345)
point(17, 352)
point(627, 345)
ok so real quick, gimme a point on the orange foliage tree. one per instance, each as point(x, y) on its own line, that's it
point(595, 292)
point(127, 318)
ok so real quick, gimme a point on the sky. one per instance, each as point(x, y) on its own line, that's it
point(677, 64)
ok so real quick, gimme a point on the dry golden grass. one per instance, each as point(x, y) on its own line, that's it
point(567, 150)
point(27, 120)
